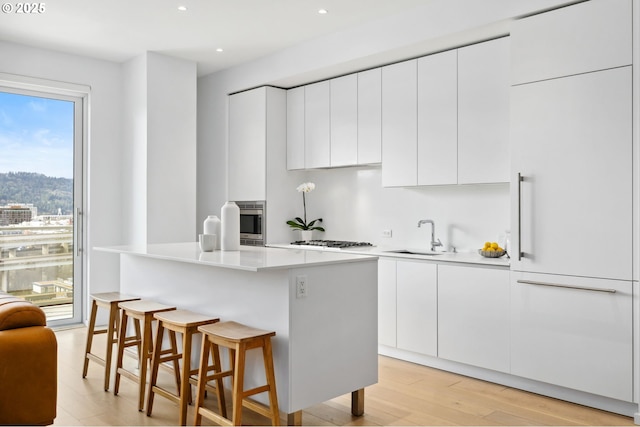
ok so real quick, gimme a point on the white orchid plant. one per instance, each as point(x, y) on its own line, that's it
point(301, 223)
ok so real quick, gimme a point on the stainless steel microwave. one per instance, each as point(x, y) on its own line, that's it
point(252, 223)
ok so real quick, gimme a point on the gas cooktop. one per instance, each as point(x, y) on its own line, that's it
point(335, 244)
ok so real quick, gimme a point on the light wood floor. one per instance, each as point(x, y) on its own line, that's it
point(406, 394)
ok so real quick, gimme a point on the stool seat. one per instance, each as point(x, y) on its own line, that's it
point(185, 318)
point(140, 311)
point(235, 332)
point(238, 338)
point(145, 307)
point(109, 300)
point(186, 323)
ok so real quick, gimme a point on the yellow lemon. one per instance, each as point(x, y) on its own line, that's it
point(494, 245)
point(489, 249)
point(487, 245)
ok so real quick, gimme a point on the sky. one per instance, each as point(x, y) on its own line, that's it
point(36, 135)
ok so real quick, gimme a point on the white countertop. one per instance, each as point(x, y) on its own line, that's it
point(383, 251)
point(248, 258)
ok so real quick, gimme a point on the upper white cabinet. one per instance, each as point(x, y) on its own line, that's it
point(574, 332)
point(295, 128)
point(446, 117)
point(437, 119)
point(370, 116)
point(474, 316)
point(254, 117)
point(344, 120)
point(483, 112)
point(417, 307)
point(399, 124)
point(317, 125)
point(590, 36)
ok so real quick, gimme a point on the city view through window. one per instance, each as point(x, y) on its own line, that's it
point(37, 201)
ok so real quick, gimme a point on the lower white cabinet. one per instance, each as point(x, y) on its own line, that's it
point(473, 316)
point(387, 302)
point(574, 332)
point(417, 307)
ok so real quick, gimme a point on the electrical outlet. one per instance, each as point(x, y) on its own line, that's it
point(302, 287)
point(386, 233)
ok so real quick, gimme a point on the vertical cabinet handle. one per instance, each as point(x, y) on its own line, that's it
point(520, 253)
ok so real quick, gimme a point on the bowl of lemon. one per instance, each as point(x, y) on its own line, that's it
point(491, 250)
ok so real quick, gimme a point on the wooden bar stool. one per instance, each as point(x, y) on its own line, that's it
point(186, 323)
point(108, 300)
point(238, 339)
point(140, 311)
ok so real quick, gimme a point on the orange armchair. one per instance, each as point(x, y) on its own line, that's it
point(28, 364)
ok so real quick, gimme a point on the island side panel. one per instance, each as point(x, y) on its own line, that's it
point(333, 347)
point(259, 299)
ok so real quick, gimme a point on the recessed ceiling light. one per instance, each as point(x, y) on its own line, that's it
point(219, 49)
point(323, 11)
point(182, 8)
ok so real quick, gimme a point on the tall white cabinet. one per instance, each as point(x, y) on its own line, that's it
point(572, 198)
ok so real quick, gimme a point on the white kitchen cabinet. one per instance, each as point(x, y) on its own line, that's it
point(387, 302)
point(483, 112)
point(572, 144)
point(370, 116)
point(437, 119)
point(317, 125)
point(589, 36)
point(417, 307)
point(253, 115)
point(295, 128)
point(399, 124)
point(573, 332)
point(344, 120)
point(473, 316)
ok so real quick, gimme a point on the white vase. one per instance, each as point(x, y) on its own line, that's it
point(306, 235)
point(230, 240)
point(212, 225)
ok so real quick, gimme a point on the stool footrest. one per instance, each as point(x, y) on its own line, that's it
point(95, 358)
point(164, 393)
point(128, 374)
point(257, 407)
point(218, 419)
point(256, 390)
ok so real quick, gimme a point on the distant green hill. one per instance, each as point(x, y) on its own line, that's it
point(47, 193)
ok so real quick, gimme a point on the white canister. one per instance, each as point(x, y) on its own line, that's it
point(230, 240)
point(212, 225)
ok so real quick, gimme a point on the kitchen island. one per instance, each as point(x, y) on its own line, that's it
point(326, 342)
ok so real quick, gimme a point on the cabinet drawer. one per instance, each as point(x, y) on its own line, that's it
point(574, 332)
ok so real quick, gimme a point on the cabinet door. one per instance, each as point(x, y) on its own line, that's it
point(438, 119)
point(579, 336)
point(572, 144)
point(295, 128)
point(417, 305)
point(590, 36)
point(247, 145)
point(399, 124)
point(344, 120)
point(317, 129)
point(483, 112)
point(473, 316)
point(387, 302)
point(370, 116)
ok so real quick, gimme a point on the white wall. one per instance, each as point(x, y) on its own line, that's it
point(456, 210)
point(103, 211)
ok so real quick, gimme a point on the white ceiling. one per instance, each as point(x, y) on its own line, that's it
point(117, 30)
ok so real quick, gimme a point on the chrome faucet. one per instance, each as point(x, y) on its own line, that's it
point(434, 243)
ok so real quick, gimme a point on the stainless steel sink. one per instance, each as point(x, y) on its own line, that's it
point(414, 252)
